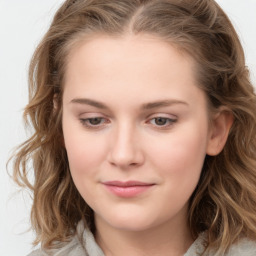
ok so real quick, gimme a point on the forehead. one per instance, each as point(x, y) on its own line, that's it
point(107, 53)
point(140, 66)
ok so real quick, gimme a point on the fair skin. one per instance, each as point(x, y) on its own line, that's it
point(132, 112)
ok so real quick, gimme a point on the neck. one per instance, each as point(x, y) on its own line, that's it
point(167, 239)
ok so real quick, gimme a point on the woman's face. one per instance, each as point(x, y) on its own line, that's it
point(136, 130)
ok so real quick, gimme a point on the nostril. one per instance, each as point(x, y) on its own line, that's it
point(129, 159)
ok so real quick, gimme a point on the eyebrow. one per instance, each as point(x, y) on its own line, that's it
point(90, 102)
point(162, 103)
point(146, 106)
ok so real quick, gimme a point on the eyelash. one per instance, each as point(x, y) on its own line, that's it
point(87, 122)
point(170, 122)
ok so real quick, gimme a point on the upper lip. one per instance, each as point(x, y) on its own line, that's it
point(131, 183)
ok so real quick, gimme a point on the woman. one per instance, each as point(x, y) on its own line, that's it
point(144, 138)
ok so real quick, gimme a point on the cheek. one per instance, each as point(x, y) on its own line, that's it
point(85, 158)
point(85, 154)
point(181, 156)
point(82, 154)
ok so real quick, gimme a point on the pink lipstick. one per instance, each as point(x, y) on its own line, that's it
point(127, 189)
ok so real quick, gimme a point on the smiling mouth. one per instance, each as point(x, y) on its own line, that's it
point(127, 189)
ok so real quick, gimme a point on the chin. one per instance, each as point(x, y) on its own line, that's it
point(131, 222)
point(132, 226)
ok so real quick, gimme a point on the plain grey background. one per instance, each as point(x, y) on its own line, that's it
point(22, 24)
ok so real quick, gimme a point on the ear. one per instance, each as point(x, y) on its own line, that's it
point(55, 109)
point(55, 102)
point(219, 131)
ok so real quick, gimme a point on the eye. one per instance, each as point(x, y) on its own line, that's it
point(94, 122)
point(163, 122)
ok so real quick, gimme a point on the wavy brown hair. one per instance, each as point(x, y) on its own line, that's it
point(224, 202)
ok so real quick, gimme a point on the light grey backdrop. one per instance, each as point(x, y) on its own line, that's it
point(22, 24)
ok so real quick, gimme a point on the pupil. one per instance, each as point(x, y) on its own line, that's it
point(160, 121)
point(95, 121)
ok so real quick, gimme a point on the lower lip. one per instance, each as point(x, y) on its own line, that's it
point(127, 192)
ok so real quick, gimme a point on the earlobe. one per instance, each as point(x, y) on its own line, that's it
point(219, 132)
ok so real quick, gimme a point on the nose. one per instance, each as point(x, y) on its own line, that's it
point(125, 150)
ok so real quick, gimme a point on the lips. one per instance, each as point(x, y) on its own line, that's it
point(128, 188)
point(126, 183)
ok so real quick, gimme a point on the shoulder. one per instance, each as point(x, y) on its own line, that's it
point(72, 248)
point(82, 244)
point(244, 247)
point(37, 253)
